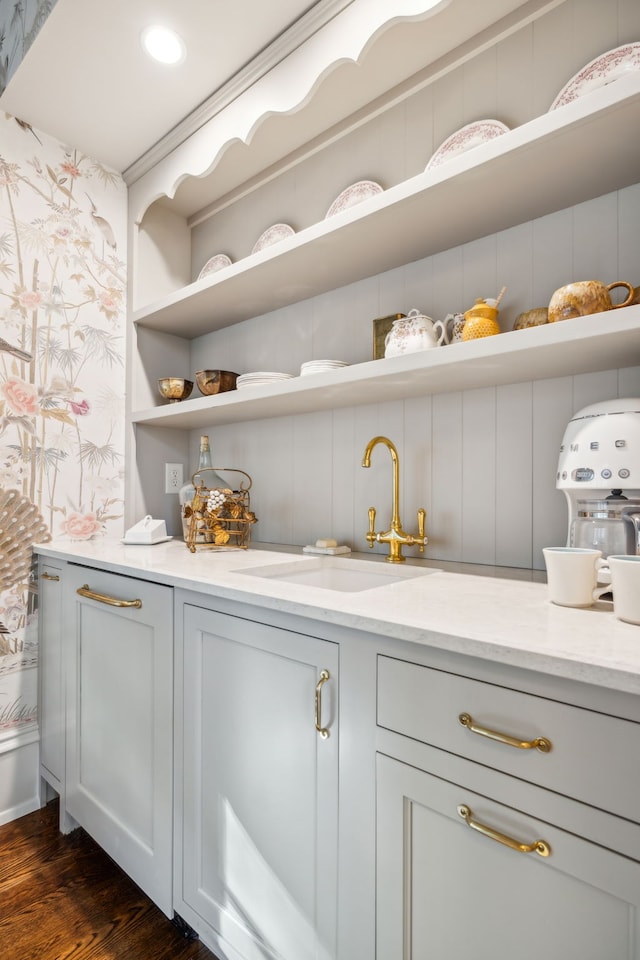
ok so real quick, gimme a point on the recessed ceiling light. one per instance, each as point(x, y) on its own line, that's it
point(163, 44)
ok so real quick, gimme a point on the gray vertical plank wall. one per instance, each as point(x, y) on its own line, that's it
point(482, 462)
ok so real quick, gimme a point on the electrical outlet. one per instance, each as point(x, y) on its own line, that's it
point(173, 478)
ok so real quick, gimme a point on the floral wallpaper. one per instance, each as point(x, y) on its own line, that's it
point(20, 22)
point(62, 314)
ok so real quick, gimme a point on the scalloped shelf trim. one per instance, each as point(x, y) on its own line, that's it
point(284, 89)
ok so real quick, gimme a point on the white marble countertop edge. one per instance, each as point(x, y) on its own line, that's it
point(505, 621)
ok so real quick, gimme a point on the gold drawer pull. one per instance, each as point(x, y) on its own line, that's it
point(324, 676)
point(49, 576)
point(541, 847)
point(86, 591)
point(540, 743)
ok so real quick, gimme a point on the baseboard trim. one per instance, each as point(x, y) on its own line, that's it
point(19, 775)
point(21, 810)
point(27, 734)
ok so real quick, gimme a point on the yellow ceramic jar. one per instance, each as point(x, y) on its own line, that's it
point(480, 321)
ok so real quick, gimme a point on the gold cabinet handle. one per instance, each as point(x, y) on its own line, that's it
point(324, 676)
point(540, 743)
point(86, 591)
point(49, 576)
point(541, 847)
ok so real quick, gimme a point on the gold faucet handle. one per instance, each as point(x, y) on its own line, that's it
point(422, 516)
point(371, 536)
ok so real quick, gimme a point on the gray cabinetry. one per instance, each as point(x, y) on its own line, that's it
point(257, 805)
point(51, 706)
point(328, 793)
point(502, 835)
point(118, 633)
point(445, 890)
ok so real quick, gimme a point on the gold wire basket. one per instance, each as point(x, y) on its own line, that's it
point(218, 516)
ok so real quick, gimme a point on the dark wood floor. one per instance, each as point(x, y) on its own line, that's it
point(63, 898)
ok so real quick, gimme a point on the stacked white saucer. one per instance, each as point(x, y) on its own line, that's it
point(321, 366)
point(260, 377)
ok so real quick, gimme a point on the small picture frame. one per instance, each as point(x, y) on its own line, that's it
point(381, 327)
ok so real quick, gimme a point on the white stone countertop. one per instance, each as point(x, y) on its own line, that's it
point(509, 621)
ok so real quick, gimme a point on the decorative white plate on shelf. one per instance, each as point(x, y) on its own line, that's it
point(213, 264)
point(274, 234)
point(466, 138)
point(260, 377)
point(321, 366)
point(604, 69)
point(356, 193)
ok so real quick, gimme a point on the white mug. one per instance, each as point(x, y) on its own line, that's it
point(625, 584)
point(572, 575)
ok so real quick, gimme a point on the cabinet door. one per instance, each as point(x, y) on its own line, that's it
point(446, 891)
point(51, 680)
point(260, 786)
point(120, 721)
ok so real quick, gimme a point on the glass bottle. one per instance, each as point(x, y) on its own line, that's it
point(210, 478)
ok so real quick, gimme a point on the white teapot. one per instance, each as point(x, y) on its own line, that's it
point(413, 333)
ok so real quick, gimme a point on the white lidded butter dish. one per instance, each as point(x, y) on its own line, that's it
point(147, 531)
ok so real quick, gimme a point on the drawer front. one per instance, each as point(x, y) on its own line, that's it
point(585, 755)
point(464, 874)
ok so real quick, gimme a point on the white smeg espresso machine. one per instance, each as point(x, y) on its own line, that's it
point(599, 471)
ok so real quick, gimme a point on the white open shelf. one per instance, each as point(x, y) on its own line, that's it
point(582, 150)
point(585, 344)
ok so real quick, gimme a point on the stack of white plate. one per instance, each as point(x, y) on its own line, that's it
point(321, 366)
point(260, 377)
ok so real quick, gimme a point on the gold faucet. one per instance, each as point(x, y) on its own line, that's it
point(396, 536)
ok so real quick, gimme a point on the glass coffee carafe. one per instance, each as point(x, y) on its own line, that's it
point(611, 525)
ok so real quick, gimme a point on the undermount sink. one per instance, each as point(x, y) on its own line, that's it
point(333, 573)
